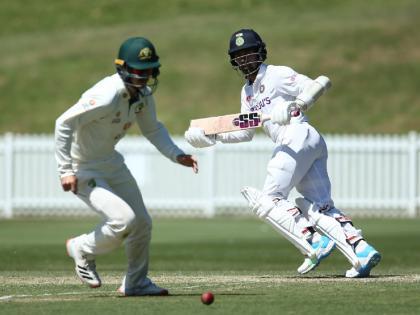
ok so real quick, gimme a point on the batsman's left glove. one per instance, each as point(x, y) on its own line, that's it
point(282, 112)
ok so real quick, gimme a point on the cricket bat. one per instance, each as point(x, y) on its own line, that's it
point(232, 122)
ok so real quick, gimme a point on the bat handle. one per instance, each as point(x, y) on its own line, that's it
point(295, 111)
point(265, 117)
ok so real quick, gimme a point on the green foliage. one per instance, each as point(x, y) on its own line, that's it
point(52, 51)
point(249, 267)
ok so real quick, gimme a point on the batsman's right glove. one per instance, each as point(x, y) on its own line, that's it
point(196, 137)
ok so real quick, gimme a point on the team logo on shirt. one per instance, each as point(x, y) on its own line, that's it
point(127, 125)
point(248, 98)
point(138, 108)
point(262, 88)
point(92, 183)
point(261, 104)
point(92, 102)
point(117, 118)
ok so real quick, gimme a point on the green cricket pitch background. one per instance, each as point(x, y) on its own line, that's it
point(246, 264)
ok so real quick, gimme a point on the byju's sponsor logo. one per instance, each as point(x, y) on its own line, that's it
point(265, 101)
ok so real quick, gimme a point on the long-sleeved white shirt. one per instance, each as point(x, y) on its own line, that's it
point(89, 130)
point(273, 85)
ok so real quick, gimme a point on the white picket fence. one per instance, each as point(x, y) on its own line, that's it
point(372, 175)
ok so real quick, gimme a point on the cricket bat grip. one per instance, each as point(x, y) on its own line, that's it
point(295, 111)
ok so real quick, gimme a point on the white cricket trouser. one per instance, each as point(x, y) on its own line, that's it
point(110, 189)
point(300, 161)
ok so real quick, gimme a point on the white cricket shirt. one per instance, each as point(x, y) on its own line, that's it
point(89, 130)
point(273, 85)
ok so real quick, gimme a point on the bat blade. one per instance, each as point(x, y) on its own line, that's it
point(229, 123)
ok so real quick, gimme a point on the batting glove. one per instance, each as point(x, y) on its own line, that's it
point(196, 137)
point(282, 112)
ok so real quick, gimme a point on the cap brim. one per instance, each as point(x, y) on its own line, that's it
point(144, 65)
point(239, 48)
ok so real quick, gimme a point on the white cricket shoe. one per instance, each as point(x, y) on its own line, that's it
point(323, 247)
point(148, 288)
point(353, 273)
point(85, 269)
point(308, 265)
point(369, 258)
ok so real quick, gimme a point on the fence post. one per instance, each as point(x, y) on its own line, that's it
point(210, 209)
point(413, 167)
point(8, 170)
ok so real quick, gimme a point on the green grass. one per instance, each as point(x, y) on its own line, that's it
point(249, 267)
point(52, 51)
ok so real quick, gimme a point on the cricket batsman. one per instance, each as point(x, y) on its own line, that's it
point(91, 168)
point(313, 224)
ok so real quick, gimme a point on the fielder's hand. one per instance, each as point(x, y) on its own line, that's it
point(282, 112)
point(188, 161)
point(69, 183)
point(196, 137)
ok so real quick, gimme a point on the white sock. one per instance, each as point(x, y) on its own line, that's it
point(360, 247)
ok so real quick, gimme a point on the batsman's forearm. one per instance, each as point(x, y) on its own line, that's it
point(238, 136)
point(312, 92)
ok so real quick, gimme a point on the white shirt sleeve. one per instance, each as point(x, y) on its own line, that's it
point(155, 131)
point(92, 105)
point(291, 82)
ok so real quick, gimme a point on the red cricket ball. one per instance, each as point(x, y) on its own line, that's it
point(207, 298)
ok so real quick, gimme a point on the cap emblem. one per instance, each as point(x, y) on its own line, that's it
point(239, 39)
point(145, 53)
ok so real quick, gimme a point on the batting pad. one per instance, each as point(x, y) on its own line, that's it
point(282, 221)
point(331, 228)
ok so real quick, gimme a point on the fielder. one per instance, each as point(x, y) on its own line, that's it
point(299, 159)
point(90, 167)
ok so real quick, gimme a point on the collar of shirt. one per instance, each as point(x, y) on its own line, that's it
point(125, 93)
point(261, 73)
point(134, 99)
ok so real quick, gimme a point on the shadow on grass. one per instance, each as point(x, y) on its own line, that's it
point(217, 294)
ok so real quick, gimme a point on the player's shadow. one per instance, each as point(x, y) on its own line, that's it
point(198, 295)
point(218, 294)
point(343, 277)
